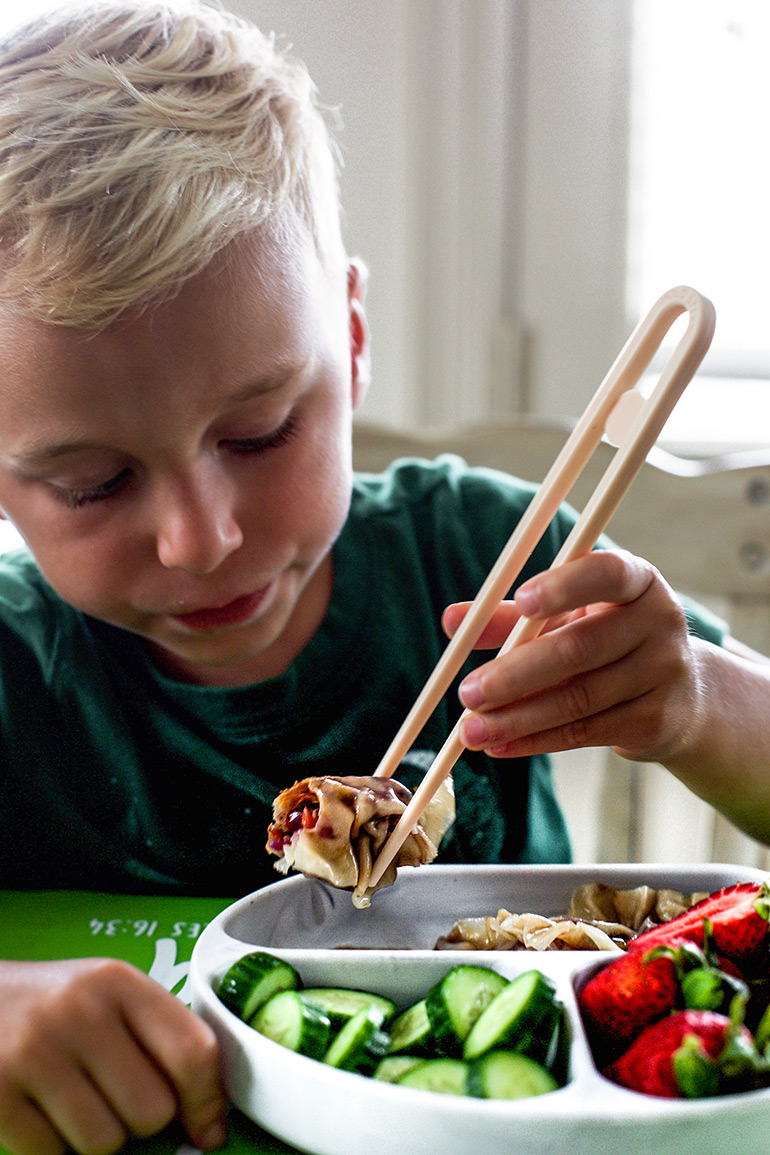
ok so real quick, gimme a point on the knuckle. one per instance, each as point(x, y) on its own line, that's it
point(108, 972)
point(196, 1059)
point(89, 987)
point(573, 650)
point(577, 734)
point(575, 700)
point(627, 575)
point(674, 618)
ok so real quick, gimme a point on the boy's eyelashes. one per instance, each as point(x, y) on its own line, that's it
point(280, 436)
point(75, 497)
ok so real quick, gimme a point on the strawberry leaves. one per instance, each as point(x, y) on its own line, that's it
point(696, 1074)
point(704, 983)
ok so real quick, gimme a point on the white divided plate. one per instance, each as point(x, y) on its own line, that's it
point(389, 950)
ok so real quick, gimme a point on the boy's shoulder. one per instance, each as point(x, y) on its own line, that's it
point(29, 608)
point(22, 586)
point(446, 481)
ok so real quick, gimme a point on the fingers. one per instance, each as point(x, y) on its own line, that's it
point(124, 1082)
point(93, 1053)
point(76, 1109)
point(574, 714)
point(602, 576)
point(588, 643)
point(48, 1101)
point(186, 1049)
point(495, 633)
point(24, 1128)
point(612, 669)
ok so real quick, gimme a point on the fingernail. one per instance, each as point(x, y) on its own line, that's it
point(471, 694)
point(497, 751)
point(527, 601)
point(474, 731)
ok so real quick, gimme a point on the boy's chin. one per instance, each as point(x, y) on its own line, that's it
point(221, 661)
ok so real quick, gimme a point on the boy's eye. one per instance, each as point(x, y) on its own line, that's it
point(280, 436)
point(74, 497)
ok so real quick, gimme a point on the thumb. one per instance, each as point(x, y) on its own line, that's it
point(494, 634)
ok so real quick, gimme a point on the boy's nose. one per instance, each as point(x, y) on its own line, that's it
point(196, 528)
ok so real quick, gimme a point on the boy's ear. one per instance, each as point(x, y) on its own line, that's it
point(358, 276)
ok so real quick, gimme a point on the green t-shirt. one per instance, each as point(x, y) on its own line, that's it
point(116, 777)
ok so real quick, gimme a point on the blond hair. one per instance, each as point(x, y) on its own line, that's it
point(137, 139)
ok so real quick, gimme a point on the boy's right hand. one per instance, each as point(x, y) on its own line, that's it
point(93, 1052)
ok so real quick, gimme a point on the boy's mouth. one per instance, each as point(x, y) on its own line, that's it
point(238, 610)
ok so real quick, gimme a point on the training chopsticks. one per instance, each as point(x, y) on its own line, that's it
point(628, 420)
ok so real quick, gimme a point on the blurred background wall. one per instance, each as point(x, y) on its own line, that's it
point(525, 177)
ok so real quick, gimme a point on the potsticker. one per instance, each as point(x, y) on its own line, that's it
point(334, 828)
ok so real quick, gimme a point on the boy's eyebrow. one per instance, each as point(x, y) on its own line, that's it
point(268, 383)
point(41, 453)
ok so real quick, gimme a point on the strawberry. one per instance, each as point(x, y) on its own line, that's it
point(691, 1054)
point(624, 997)
point(634, 990)
point(738, 916)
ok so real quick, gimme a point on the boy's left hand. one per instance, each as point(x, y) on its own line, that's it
point(615, 665)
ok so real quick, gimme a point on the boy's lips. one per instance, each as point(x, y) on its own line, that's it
point(238, 610)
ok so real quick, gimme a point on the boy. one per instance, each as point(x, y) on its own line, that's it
point(209, 614)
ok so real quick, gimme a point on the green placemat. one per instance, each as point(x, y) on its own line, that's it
point(156, 934)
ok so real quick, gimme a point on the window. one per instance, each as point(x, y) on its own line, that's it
point(700, 198)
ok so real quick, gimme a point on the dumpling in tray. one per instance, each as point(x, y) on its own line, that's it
point(334, 828)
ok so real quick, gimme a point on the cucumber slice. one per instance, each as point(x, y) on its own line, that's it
point(295, 1022)
point(508, 1075)
point(456, 1002)
point(521, 1018)
point(341, 1003)
point(445, 1075)
point(252, 980)
point(360, 1044)
point(411, 1032)
point(557, 1055)
point(392, 1067)
point(540, 1041)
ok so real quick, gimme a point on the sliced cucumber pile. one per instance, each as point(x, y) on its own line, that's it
point(474, 1032)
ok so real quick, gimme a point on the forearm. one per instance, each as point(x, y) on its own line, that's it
point(725, 757)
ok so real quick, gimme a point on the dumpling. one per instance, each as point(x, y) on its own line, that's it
point(334, 828)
